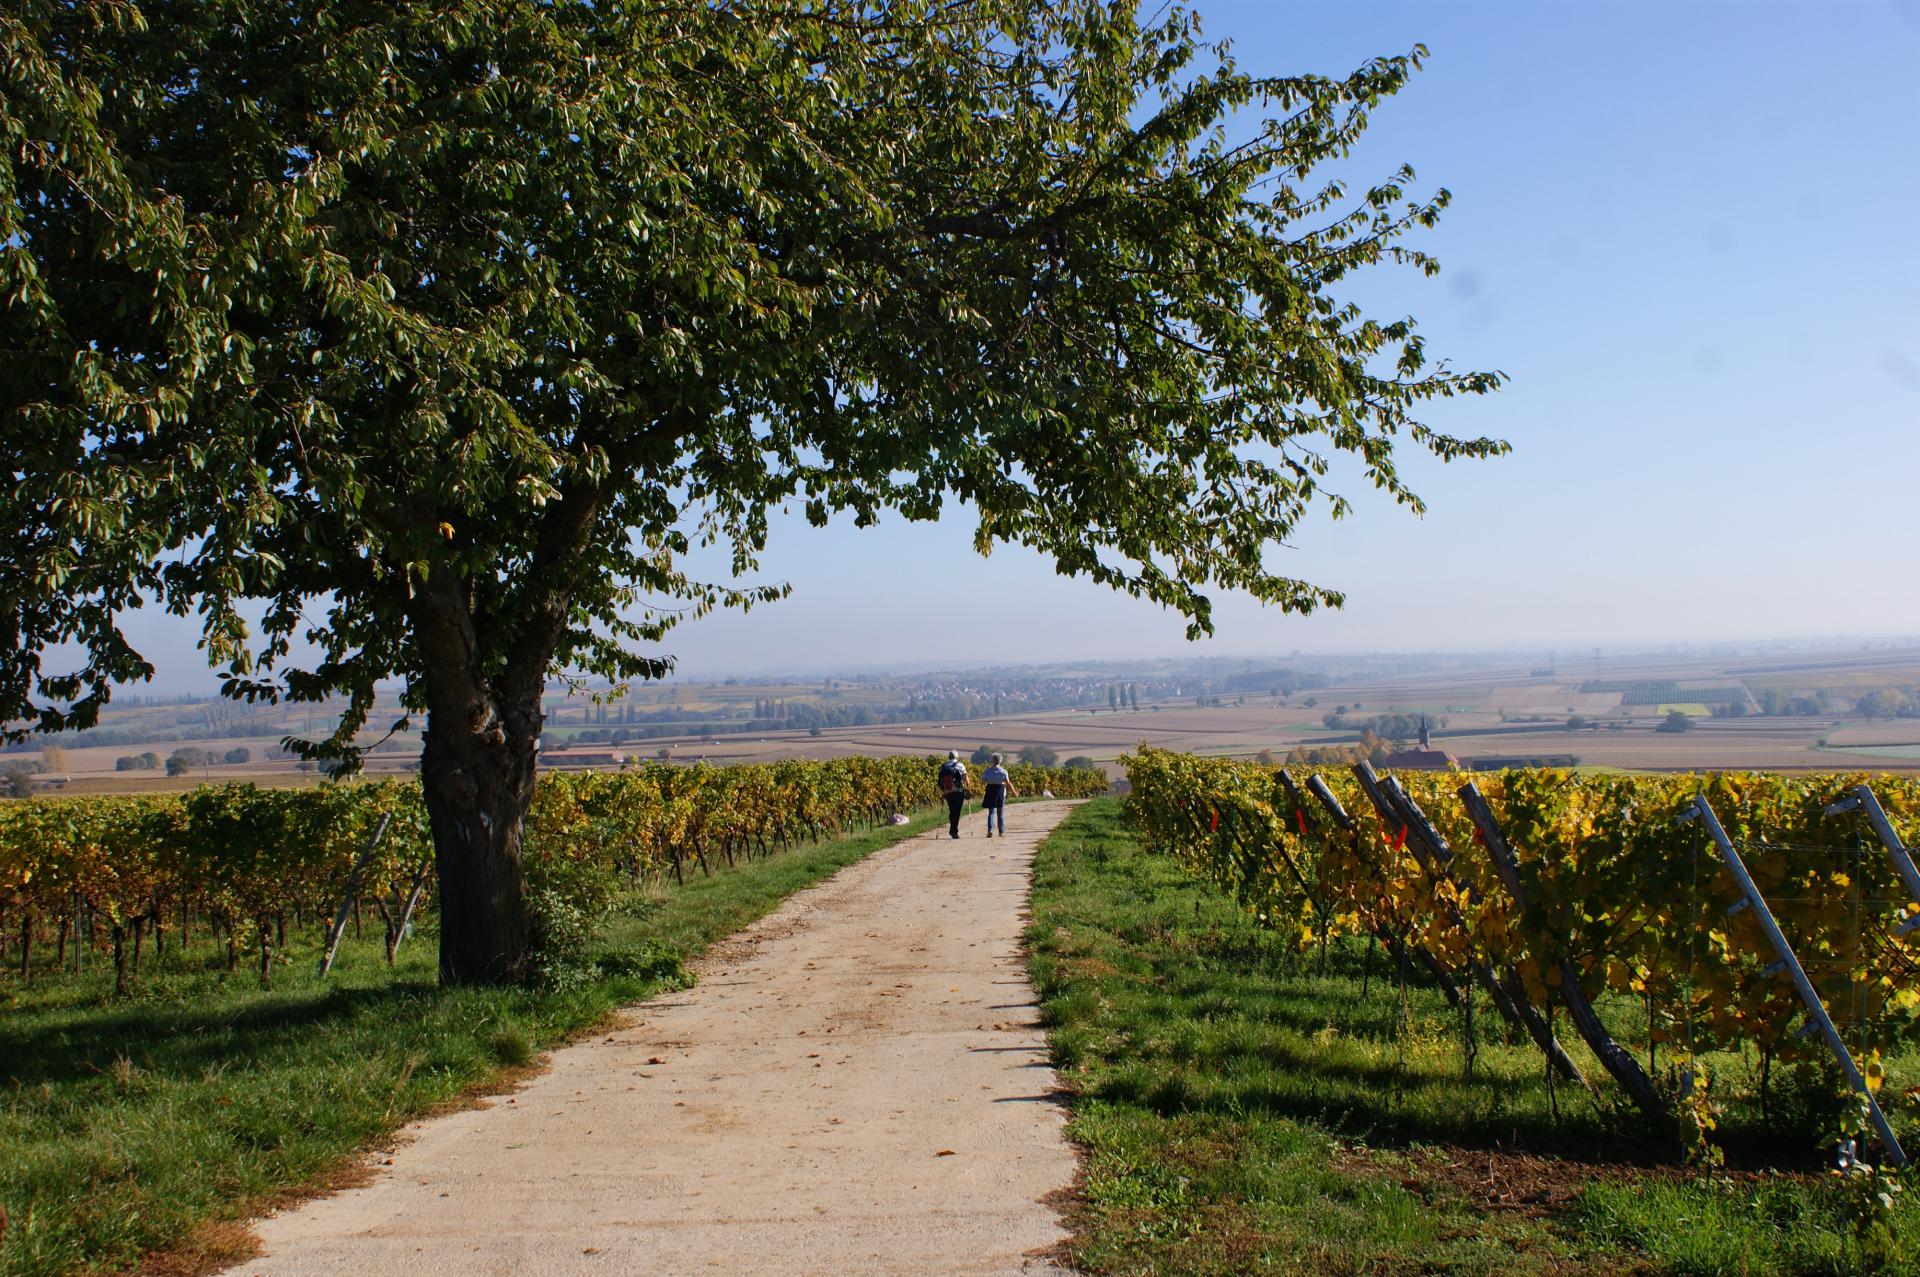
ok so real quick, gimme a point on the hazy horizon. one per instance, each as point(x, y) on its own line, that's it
point(1574, 658)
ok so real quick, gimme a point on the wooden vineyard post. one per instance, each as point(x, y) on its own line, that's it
point(339, 927)
point(1863, 798)
point(1816, 1010)
point(1318, 788)
point(414, 893)
point(1612, 1056)
point(1394, 803)
point(1395, 946)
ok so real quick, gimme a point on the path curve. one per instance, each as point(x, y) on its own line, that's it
point(857, 1085)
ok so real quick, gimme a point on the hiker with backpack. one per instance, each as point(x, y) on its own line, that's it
point(999, 788)
point(953, 787)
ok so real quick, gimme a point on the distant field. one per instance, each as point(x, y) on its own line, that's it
point(1837, 678)
point(1474, 713)
point(1554, 699)
point(1714, 743)
point(1910, 751)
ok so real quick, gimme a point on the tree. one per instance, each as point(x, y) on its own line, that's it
point(237, 755)
point(981, 756)
point(455, 325)
point(17, 779)
point(1080, 762)
point(1884, 702)
point(1039, 755)
point(54, 758)
point(1676, 721)
point(1579, 722)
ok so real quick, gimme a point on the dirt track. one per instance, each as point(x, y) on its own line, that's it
point(858, 1085)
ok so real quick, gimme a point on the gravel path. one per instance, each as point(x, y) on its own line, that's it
point(857, 1085)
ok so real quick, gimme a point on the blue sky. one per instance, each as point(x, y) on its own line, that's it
point(1684, 229)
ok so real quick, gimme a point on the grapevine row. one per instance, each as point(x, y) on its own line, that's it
point(245, 860)
point(1621, 897)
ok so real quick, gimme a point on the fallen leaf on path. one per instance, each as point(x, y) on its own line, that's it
point(654, 1059)
point(945, 1152)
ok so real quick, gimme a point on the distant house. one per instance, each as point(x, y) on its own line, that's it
point(576, 758)
point(1420, 760)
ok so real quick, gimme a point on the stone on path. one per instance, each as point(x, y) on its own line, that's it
point(858, 1085)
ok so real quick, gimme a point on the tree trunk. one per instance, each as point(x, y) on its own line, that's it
point(479, 787)
point(476, 772)
point(483, 681)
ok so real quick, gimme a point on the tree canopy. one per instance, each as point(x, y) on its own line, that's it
point(443, 331)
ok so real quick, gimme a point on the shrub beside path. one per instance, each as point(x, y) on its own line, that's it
point(857, 1085)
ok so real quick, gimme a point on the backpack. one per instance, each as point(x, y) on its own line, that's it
point(949, 778)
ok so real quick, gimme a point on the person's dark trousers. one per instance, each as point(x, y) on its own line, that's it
point(954, 804)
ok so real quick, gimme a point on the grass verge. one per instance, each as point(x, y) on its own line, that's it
point(1242, 1111)
point(152, 1121)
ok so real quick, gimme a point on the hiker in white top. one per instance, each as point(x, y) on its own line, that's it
point(953, 787)
point(999, 789)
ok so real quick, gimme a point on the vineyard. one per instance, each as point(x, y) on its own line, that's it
point(238, 865)
point(1608, 898)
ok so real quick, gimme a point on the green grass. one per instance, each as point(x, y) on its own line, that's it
point(1242, 1111)
point(129, 1124)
